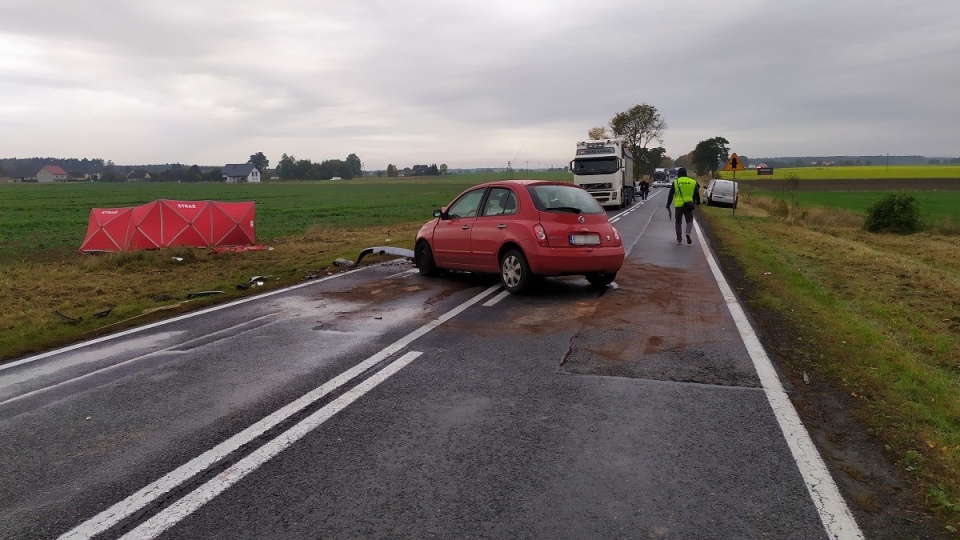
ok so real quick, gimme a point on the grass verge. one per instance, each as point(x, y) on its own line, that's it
point(63, 300)
point(877, 316)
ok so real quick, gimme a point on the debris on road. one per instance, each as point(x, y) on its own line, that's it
point(239, 249)
point(67, 318)
point(385, 250)
point(202, 294)
point(342, 262)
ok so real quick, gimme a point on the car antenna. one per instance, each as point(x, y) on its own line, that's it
point(508, 175)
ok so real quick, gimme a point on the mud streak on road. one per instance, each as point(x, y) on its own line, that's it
point(662, 323)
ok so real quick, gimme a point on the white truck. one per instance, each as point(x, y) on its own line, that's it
point(605, 170)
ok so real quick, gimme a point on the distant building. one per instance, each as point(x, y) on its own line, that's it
point(246, 172)
point(51, 173)
point(139, 176)
point(420, 170)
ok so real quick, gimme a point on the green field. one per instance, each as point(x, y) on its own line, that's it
point(866, 172)
point(934, 205)
point(52, 218)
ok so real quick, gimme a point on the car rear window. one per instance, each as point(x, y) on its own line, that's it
point(563, 198)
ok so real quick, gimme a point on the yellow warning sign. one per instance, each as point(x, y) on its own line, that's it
point(733, 164)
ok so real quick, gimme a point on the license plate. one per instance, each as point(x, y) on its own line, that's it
point(584, 239)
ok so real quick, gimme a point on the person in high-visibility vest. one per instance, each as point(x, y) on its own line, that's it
point(685, 196)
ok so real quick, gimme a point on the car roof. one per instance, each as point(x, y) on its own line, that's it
point(525, 182)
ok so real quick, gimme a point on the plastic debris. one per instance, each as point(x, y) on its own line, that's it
point(202, 293)
point(104, 313)
point(385, 250)
point(67, 318)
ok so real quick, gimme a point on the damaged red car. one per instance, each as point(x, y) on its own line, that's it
point(521, 229)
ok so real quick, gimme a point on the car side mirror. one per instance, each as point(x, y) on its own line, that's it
point(439, 213)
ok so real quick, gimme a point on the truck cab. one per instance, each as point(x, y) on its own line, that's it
point(605, 170)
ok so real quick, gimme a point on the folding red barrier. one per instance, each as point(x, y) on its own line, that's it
point(167, 223)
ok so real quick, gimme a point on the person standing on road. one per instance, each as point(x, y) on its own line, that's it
point(644, 189)
point(685, 196)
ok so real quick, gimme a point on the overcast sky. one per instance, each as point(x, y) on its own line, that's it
point(472, 83)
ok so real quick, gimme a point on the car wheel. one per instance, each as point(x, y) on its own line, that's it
point(423, 257)
point(601, 279)
point(514, 271)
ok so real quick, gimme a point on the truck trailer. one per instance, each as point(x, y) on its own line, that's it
point(605, 170)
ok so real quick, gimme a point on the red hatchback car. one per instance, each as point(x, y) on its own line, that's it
point(521, 229)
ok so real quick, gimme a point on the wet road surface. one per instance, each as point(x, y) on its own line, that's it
point(381, 403)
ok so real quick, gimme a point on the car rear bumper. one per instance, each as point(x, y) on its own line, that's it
point(574, 261)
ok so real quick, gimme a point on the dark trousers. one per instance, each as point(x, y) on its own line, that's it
point(679, 213)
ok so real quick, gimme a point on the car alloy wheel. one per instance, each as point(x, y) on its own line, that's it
point(514, 271)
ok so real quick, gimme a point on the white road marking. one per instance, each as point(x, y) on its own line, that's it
point(834, 513)
point(160, 487)
point(496, 299)
point(177, 511)
point(232, 331)
point(211, 309)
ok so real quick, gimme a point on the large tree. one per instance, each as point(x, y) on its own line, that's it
point(638, 127)
point(709, 154)
point(355, 166)
point(648, 159)
point(259, 161)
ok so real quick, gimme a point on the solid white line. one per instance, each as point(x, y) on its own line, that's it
point(496, 299)
point(834, 512)
point(160, 487)
point(179, 510)
point(211, 309)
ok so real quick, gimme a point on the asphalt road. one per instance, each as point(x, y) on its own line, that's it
point(378, 403)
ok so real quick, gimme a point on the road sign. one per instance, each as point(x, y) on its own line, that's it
point(733, 164)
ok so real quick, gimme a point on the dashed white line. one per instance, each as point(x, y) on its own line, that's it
point(496, 299)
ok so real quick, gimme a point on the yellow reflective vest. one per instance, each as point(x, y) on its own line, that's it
point(683, 189)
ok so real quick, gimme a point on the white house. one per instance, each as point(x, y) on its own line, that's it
point(52, 173)
point(246, 172)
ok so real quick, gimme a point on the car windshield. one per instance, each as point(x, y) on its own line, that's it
point(595, 166)
point(564, 198)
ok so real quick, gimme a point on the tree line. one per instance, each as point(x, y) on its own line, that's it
point(291, 168)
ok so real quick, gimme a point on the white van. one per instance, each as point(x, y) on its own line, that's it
point(721, 193)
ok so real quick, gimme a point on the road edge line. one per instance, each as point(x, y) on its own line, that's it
point(835, 515)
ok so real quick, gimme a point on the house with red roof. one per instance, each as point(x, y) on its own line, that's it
point(52, 173)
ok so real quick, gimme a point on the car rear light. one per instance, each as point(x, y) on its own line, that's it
point(541, 235)
point(616, 237)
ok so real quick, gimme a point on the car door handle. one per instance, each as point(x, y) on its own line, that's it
point(465, 227)
point(502, 226)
